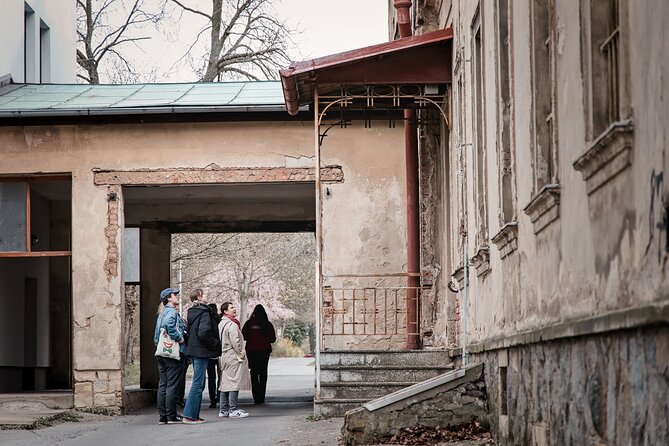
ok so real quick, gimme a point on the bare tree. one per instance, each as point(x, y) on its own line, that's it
point(103, 28)
point(272, 268)
point(245, 40)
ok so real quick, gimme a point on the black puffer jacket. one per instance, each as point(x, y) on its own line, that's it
point(203, 338)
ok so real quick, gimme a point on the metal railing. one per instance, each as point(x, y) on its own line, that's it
point(360, 308)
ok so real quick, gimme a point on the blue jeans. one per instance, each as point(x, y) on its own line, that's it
point(194, 401)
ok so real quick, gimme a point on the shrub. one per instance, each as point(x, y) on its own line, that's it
point(283, 348)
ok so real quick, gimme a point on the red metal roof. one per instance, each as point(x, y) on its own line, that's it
point(417, 59)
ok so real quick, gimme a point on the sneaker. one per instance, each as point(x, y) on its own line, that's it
point(238, 414)
point(187, 420)
point(175, 420)
point(162, 420)
point(223, 414)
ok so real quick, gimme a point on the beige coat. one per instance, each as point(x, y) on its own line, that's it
point(235, 374)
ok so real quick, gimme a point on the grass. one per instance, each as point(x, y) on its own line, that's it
point(42, 422)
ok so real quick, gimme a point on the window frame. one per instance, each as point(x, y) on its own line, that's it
point(28, 252)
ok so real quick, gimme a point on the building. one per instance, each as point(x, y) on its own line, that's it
point(547, 211)
point(38, 41)
point(83, 162)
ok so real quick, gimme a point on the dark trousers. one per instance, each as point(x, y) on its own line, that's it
point(212, 374)
point(258, 365)
point(181, 388)
point(169, 372)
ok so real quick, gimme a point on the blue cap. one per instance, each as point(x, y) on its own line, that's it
point(165, 294)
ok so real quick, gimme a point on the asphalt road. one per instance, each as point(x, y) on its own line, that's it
point(283, 420)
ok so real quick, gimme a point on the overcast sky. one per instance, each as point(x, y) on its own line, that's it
point(327, 27)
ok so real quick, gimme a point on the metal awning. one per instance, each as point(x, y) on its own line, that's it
point(25, 100)
point(418, 60)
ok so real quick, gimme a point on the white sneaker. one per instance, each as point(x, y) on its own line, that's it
point(223, 414)
point(238, 414)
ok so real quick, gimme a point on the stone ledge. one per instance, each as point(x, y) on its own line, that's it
point(607, 156)
point(218, 175)
point(506, 239)
point(544, 208)
point(613, 321)
point(481, 261)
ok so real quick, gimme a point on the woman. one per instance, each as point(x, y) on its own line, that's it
point(234, 375)
point(259, 335)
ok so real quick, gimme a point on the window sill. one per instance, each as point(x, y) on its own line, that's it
point(607, 156)
point(481, 260)
point(506, 239)
point(544, 208)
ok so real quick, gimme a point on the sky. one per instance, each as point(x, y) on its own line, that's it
point(326, 26)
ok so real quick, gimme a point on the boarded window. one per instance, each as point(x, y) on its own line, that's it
point(13, 216)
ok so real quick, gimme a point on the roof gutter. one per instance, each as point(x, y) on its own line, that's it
point(141, 111)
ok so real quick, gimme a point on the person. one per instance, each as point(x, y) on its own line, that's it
point(203, 343)
point(212, 367)
point(234, 375)
point(259, 335)
point(169, 370)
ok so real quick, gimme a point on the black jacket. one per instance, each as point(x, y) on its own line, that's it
point(203, 338)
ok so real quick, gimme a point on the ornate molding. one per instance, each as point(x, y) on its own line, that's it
point(544, 208)
point(481, 260)
point(506, 239)
point(607, 156)
point(459, 275)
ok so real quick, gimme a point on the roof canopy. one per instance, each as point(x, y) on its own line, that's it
point(18, 100)
point(424, 59)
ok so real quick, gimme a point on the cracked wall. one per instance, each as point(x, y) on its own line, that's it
point(369, 199)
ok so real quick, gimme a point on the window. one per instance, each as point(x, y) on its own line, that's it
point(504, 88)
point(603, 63)
point(29, 45)
point(544, 206)
point(479, 134)
point(35, 216)
point(44, 53)
point(544, 95)
point(608, 112)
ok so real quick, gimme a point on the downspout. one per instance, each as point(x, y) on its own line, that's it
point(413, 222)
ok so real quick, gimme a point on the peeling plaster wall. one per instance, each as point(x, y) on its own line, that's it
point(606, 251)
point(364, 216)
point(364, 230)
point(580, 308)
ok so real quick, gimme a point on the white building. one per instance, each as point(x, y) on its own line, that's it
point(38, 41)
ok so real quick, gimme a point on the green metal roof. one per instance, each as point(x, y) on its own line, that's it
point(22, 100)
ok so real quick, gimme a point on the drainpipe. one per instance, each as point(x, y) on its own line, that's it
point(413, 223)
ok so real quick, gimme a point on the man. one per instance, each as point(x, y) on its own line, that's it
point(169, 370)
point(203, 343)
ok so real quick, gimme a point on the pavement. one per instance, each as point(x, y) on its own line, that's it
point(285, 419)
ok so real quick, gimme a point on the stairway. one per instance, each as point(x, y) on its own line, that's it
point(351, 378)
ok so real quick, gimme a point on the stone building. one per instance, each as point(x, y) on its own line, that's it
point(545, 209)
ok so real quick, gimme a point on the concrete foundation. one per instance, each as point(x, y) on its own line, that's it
point(603, 389)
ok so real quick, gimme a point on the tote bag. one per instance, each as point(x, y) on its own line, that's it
point(167, 347)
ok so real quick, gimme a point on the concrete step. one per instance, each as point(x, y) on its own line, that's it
point(359, 390)
point(336, 407)
point(342, 373)
point(437, 358)
point(51, 400)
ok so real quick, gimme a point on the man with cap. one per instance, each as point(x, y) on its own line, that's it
point(169, 370)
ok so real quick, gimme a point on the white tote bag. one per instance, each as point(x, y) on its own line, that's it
point(167, 347)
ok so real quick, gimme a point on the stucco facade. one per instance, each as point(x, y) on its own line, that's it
point(104, 158)
point(38, 41)
point(563, 234)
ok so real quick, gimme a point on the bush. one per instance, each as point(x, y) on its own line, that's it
point(296, 331)
point(283, 348)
